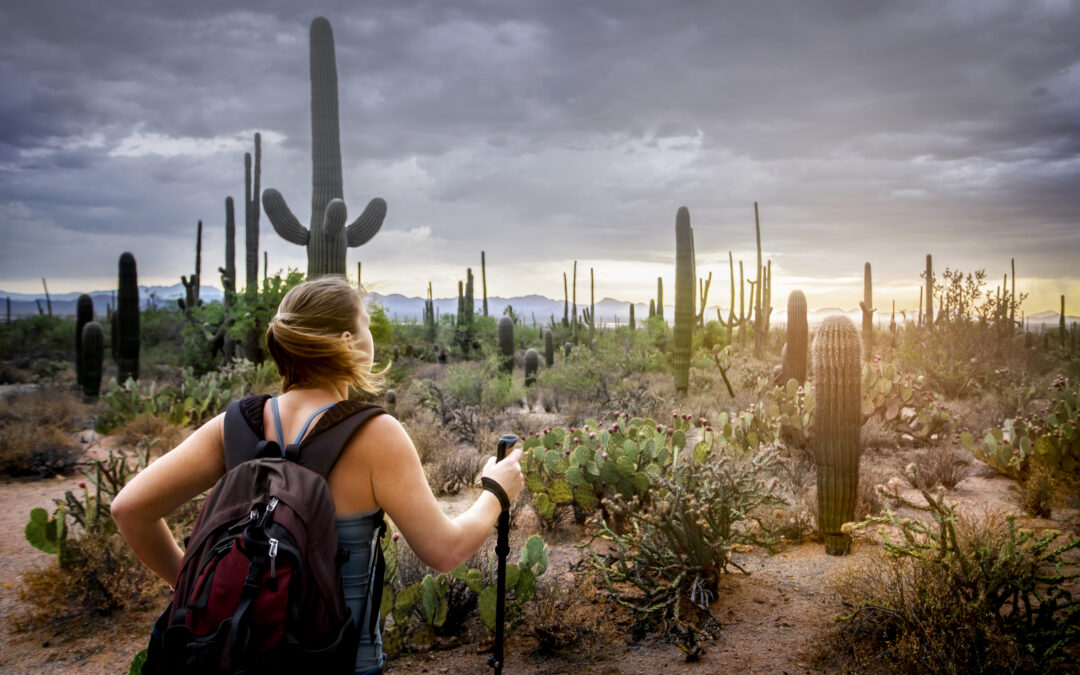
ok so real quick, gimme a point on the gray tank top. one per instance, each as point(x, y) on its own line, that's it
point(357, 532)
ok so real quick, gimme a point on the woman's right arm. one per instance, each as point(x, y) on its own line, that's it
point(401, 489)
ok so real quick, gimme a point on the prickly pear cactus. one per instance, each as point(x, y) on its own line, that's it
point(44, 533)
point(126, 337)
point(91, 358)
point(837, 392)
point(684, 298)
point(794, 364)
point(532, 364)
point(327, 238)
point(506, 342)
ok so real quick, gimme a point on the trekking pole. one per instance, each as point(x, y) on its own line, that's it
point(502, 549)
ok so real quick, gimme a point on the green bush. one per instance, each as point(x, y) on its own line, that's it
point(481, 383)
point(36, 334)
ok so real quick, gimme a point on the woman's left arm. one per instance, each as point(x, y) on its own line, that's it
point(176, 477)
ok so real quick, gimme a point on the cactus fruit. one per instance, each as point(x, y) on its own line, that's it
point(532, 364)
point(126, 337)
point(794, 364)
point(838, 422)
point(549, 349)
point(506, 342)
point(684, 298)
point(91, 356)
point(327, 238)
point(929, 291)
point(867, 307)
point(84, 314)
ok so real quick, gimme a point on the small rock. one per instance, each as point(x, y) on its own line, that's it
point(907, 440)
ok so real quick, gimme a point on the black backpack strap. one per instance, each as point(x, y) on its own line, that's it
point(243, 430)
point(321, 449)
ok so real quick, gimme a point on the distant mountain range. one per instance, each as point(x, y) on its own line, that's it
point(401, 308)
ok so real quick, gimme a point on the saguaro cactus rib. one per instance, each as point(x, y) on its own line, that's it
point(326, 238)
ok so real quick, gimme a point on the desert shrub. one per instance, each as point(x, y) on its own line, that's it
point(431, 438)
point(187, 400)
point(959, 595)
point(37, 432)
point(563, 619)
point(454, 469)
point(33, 334)
point(96, 575)
point(151, 430)
point(944, 466)
point(480, 383)
point(1037, 491)
point(667, 565)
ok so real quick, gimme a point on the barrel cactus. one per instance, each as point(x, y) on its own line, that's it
point(549, 349)
point(91, 357)
point(685, 275)
point(506, 342)
point(532, 364)
point(796, 349)
point(838, 421)
point(126, 337)
point(327, 238)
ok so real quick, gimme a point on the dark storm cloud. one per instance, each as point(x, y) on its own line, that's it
point(861, 128)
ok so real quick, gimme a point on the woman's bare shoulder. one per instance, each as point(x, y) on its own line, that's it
point(383, 433)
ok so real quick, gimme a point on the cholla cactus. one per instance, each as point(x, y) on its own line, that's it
point(838, 421)
point(794, 366)
point(327, 238)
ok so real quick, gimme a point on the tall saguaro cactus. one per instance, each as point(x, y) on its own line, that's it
point(327, 238)
point(84, 314)
point(794, 365)
point(929, 291)
point(127, 319)
point(91, 356)
point(483, 279)
point(685, 315)
point(660, 297)
point(251, 219)
point(191, 287)
point(506, 342)
point(549, 348)
point(838, 396)
point(867, 307)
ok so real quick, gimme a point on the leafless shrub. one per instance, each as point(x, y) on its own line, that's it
point(1038, 491)
point(147, 428)
point(564, 619)
point(945, 466)
point(430, 438)
point(453, 471)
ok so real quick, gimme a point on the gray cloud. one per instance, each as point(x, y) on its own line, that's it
point(560, 130)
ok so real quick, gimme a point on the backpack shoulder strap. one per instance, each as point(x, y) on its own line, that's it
point(321, 449)
point(243, 429)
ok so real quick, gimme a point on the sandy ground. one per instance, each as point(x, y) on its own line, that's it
point(771, 618)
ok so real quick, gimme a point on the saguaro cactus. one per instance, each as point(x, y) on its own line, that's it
point(251, 219)
point(506, 342)
point(684, 298)
point(867, 306)
point(91, 356)
point(84, 314)
point(483, 279)
point(191, 288)
point(929, 291)
point(633, 324)
point(1061, 322)
point(838, 396)
point(660, 297)
point(794, 365)
point(327, 238)
point(549, 348)
point(532, 364)
point(127, 319)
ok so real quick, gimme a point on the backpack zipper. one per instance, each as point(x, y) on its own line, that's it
point(273, 556)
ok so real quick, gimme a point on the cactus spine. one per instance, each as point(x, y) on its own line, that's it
point(127, 319)
point(506, 342)
point(191, 288)
point(549, 348)
point(929, 291)
point(684, 298)
point(327, 238)
point(251, 219)
point(794, 365)
point(867, 306)
point(84, 314)
point(532, 364)
point(91, 356)
point(838, 396)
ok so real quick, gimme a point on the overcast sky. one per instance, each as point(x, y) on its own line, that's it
point(544, 132)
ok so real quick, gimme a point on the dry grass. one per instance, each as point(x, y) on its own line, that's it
point(456, 469)
point(149, 428)
point(37, 432)
point(565, 619)
point(431, 438)
point(1038, 491)
point(945, 466)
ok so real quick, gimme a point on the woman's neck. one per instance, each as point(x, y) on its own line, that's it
point(319, 395)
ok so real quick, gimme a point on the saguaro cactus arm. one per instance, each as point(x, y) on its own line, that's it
point(282, 218)
point(334, 218)
point(361, 230)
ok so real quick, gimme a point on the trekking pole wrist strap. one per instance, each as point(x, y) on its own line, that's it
point(492, 486)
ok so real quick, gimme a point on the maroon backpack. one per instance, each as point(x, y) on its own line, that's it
point(260, 587)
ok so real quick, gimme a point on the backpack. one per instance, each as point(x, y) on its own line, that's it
point(260, 588)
